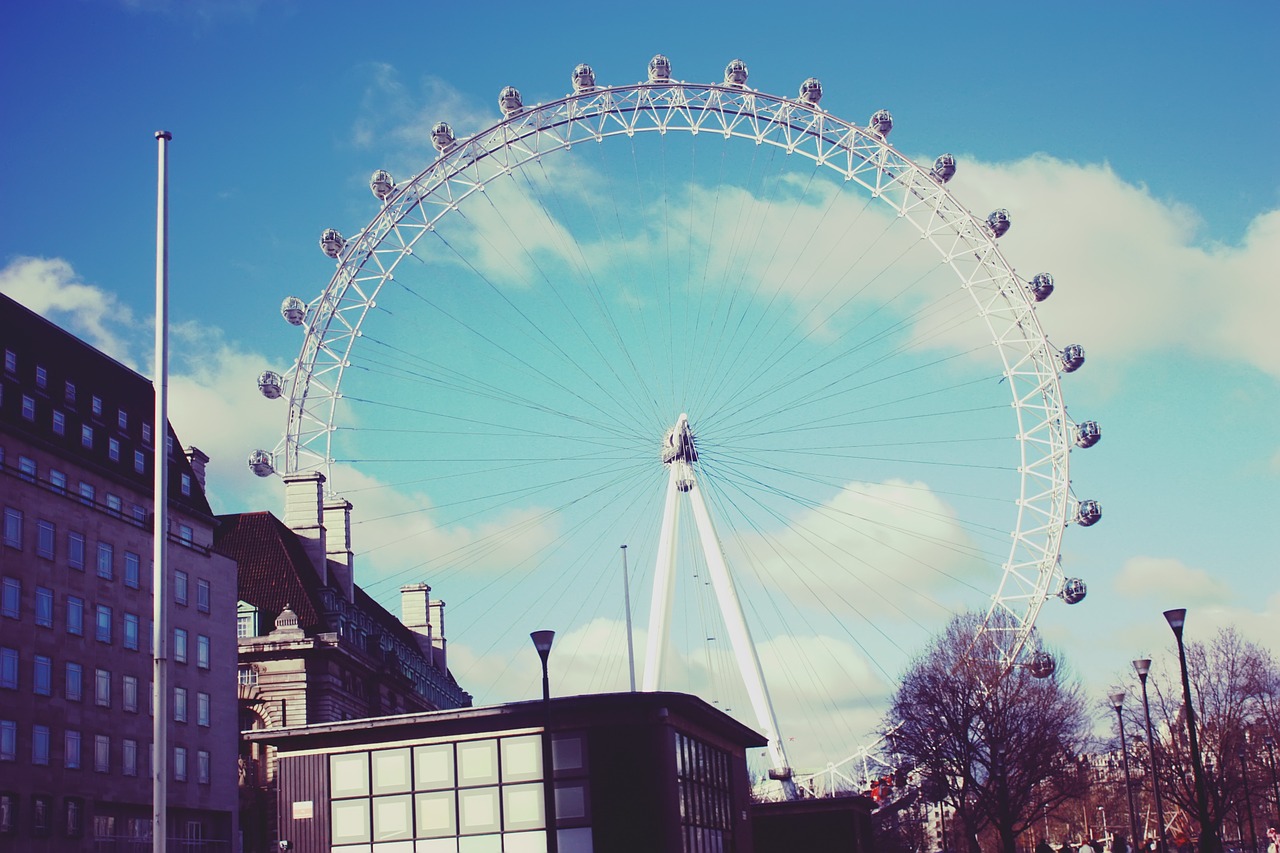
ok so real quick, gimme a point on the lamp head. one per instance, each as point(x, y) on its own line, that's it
point(1117, 699)
point(542, 642)
point(1142, 666)
point(1176, 618)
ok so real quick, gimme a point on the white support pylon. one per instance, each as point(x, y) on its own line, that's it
point(680, 454)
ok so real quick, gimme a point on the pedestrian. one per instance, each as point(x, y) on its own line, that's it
point(1273, 839)
point(1086, 847)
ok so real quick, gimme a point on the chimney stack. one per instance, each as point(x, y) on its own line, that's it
point(198, 459)
point(304, 515)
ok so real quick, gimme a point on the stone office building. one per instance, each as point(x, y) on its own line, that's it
point(76, 485)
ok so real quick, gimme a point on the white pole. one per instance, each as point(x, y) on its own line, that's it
point(626, 602)
point(160, 515)
point(663, 587)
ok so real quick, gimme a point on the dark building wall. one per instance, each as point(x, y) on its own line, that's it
point(304, 779)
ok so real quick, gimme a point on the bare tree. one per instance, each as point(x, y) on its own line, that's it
point(1235, 690)
point(997, 747)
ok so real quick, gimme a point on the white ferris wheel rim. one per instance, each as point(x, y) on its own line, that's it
point(963, 241)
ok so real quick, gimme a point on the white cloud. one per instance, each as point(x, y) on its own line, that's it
point(51, 288)
point(1171, 580)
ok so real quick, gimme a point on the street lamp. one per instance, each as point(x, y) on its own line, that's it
point(1143, 666)
point(1208, 843)
point(542, 642)
point(1117, 701)
point(1270, 741)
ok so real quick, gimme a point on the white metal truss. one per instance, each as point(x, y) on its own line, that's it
point(963, 241)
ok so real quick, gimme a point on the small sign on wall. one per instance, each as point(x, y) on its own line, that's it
point(303, 810)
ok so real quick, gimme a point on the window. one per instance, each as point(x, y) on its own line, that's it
point(202, 651)
point(59, 423)
point(12, 527)
point(246, 621)
point(42, 376)
point(202, 595)
point(71, 392)
point(245, 674)
point(139, 461)
point(58, 481)
point(131, 631)
point(10, 361)
point(185, 486)
point(71, 749)
point(11, 598)
point(46, 536)
point(132, 562)
point(102, 753)
point(42, 675)
point(97, 405)
point(140, 513)
point(146, 433)
point(104, 624)
point(102, 688)
point(122, 420)
point(106, 560)
point(27, 468)
point(129, 757)
point(44, 607)
point(39, 744)
point(86, 436)
point(74, 687)
point(180, 587)
point(73, 816)
point(9, 668)
point(28, 408)
point(202, 767)
point(202, 709)
point(179, 764)
point(179, 704)
point(115, 506)
point(75, 615)
point(75, 550)
point(129, 693)
point(88, 493)
point(180, 645)
point(185, 533)
point(8, 740)
point(113, 449)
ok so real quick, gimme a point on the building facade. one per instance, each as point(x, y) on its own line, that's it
point(76, 705)
point(631, 773)
point(314, 648)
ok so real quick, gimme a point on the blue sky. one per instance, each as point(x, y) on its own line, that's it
point(1131, 142)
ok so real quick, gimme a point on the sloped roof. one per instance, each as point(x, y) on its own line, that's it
point(274, 571)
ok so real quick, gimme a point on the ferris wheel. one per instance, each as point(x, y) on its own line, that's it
point(643, 303)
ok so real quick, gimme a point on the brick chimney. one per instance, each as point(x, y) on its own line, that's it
point(337, 525)
point(304, 515)
point(418, 613)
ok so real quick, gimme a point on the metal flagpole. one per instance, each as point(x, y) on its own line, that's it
point(160, 514)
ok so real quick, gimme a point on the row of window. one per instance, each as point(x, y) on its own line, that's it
point(73, 689)
point(104, 558)
point(105, 757)
point(132, 625)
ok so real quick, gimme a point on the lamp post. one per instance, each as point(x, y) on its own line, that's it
point(1248, 801)
point(1117, 702)
point(1270, 741)
point(1143, 666)
point(542, 642)
point(1208, 841)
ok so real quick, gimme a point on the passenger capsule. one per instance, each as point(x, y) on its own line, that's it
point(944, 168)
point(1072, 358)
point(811, 91)
point(442, 137)
point(998, 221)
point(1074, 591)
point(1089, 513)
point(1042, 665)
point(509, 101)
point(332, 243)
point(881, 122)
point(1088, 434)
point(260, 463)
point(584, 79)
point(269, 383)
point(735, 73)
point(293, 310)
point(659, 69)
point(1041, 286)
point(381, 184)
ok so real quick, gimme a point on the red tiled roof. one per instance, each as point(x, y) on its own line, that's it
point(274, 570)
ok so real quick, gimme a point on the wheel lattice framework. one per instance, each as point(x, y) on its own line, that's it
point(963, 241)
